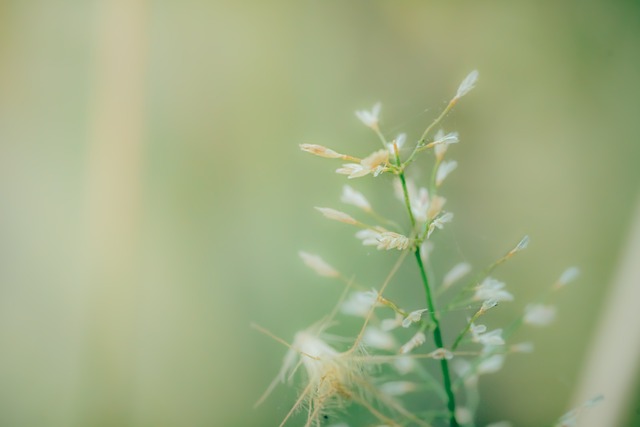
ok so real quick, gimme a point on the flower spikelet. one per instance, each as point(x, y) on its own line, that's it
point(321, 151)
point(390, 240)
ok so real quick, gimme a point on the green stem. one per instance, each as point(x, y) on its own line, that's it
point(437, 337)
point(437, 334)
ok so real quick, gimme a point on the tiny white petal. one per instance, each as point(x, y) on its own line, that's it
point(353, 170)
point(377, 338)
point(321, 151)
point(456, 273)
point(523, 347)
point(539, 314)
point(522, 245)
point(491, 365)
point(337, 215)
point(358, 304)
point(489, 304)
point(399, 142)
point(370, 118)
point(355, 198)
point(492, 289)
point(317, 264)
point(391, 324)
point(569, 275)
point(435, 206)
point(439, 222)
point(444, 170)
point(370, 237)
point(467, 84)
point(492, 338)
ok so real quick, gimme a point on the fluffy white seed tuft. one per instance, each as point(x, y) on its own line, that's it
point(569, 275)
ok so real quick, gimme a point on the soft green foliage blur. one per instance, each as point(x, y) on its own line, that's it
point(152, 328)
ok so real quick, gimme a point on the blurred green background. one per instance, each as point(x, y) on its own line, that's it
point(154, 198)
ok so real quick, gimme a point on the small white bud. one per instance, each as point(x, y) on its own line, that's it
point(413, 317)
point(353, 170)
point(523, 347)
point(391, 324)
point(467, 84)
point(569, 275)
point(337, 215)
point(492, 289)
point(359, 303)
point(539, 314)
point(370, 118)
point(355, 198)
point(522, 245)
point(318, 265)
point(321, 151)
point(491, 365)
point(444, 170)
point(488, 304)
point(456, 273)
point(493, 338)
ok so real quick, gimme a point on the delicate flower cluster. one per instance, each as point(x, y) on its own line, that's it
point(392, 355)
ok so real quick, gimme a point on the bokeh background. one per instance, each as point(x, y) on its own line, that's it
point(153, 198)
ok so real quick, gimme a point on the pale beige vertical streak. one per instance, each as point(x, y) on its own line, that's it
point(614, 358)
point(114, 210)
